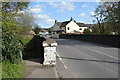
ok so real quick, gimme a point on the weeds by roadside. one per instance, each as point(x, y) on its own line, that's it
point(12, 70)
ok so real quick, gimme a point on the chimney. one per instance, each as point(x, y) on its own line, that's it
point(55, 21)
point(71, 19)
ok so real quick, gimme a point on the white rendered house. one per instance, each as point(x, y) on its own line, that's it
point(68, 27)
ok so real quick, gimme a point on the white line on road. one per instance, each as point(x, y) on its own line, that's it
point(59, 56)
point(61, 61)
point(103, 53)
point(65, 66)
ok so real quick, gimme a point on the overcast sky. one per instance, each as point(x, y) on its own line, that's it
point(45, 13)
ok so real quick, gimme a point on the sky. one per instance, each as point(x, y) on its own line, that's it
point(46, 13)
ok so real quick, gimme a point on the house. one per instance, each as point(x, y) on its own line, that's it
point(44, 32)
point(31, 32)
point(68, 27)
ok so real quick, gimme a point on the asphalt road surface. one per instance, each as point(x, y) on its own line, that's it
point(79, 59)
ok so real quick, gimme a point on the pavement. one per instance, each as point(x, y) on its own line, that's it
point(36, 70)
point(80, 59)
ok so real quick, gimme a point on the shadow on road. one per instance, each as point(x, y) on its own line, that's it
point(90, 60)
point(34, 49)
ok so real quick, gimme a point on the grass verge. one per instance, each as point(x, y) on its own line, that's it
point(12, 70)
point(0, 70)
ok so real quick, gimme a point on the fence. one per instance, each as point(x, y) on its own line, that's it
point(111, 40)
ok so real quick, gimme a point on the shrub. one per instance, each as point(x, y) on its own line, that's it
point(87, 31)
point(11, 48)
point(26, 39)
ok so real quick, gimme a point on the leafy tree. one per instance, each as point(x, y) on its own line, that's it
point(13, 7)
point(87, 31)
point(107, 15)
point(11, 46)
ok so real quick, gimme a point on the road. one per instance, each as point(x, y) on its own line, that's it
point(79, 59)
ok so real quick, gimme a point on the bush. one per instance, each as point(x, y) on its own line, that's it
point(87, 31)
point(26, 39)
point(0, 70)
point(11, 48)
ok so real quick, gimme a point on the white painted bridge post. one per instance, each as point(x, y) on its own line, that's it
point(49, 52)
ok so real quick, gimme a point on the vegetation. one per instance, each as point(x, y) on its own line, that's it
point(0, 70)
point(107, 16)
point(37, 29)
point(12, 35)
point(87, 31)
point(10, 31)
point(26, 21)
point(12, 70)
point(26, 39)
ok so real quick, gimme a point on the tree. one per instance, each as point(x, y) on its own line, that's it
point(10, 30)
point(107, 15)
point(26, 21)
point(36, 29)
point(100, 18)
point(87, 31)
point(13, 7)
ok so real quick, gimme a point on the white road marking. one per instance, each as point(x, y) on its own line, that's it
point(65, 66)
point(59, 56)
point(103, 53)
point(61, 61)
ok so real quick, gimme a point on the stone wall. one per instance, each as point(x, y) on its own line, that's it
point(110, 40)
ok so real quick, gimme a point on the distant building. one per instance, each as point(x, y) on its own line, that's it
point(44, 32)
point(31, 32)
point(68, 27)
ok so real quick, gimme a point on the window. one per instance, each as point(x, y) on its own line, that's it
point(68, 28)
point(80, 29)
point(53, 32)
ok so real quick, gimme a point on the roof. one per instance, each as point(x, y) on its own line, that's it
point(90, 25)
point(81, 24)
point(59, 23)
point(63, 24)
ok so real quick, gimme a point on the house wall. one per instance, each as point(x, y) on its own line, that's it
point(73, 26)
point(55, 36)
point(63, 28)
point(56, 27)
